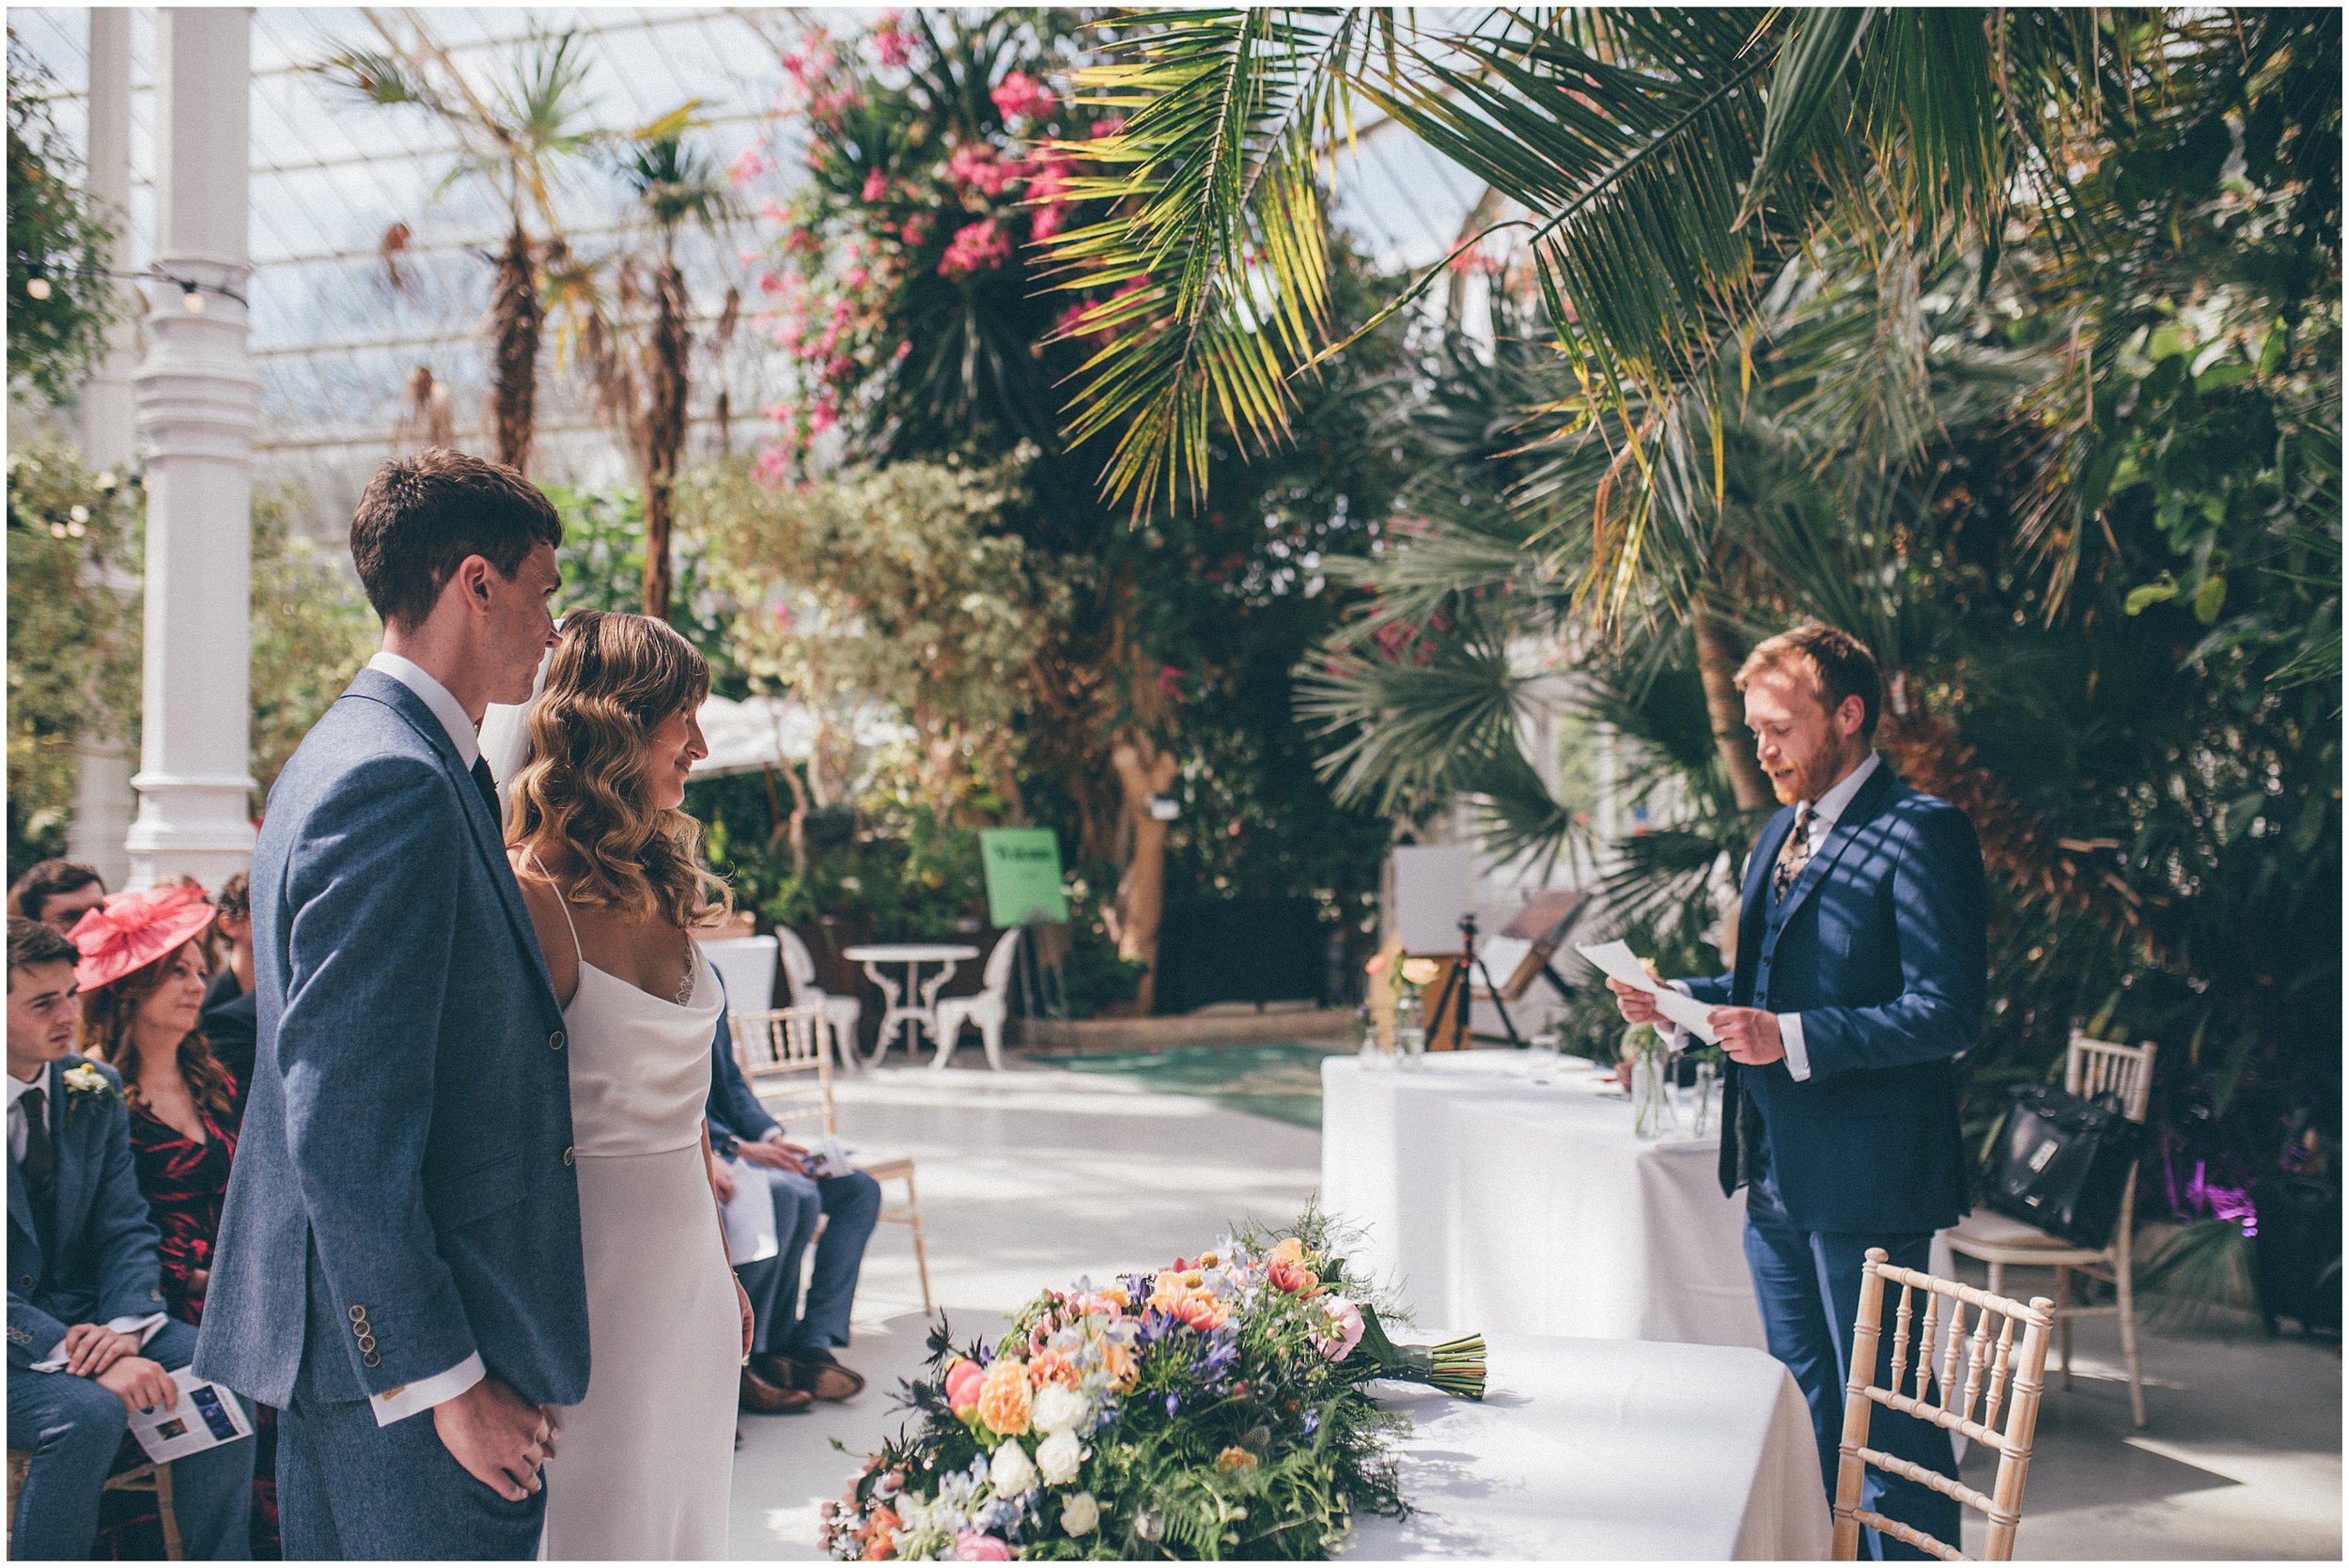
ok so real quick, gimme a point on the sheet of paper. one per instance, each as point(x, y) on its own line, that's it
point(829, 1158)
point(750, 1217)
point(206, 1416)
point(1617, 961)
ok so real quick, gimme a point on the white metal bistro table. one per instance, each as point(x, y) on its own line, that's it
point(915, 1006)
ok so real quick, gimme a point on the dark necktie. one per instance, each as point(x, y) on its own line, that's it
point(41, 1151)
point(1794, 853)
point(489, 788)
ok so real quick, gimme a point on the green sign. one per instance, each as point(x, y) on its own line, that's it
point(1022, 877)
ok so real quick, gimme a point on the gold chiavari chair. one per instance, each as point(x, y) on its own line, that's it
point(1955, 1368)
point(784, 1057)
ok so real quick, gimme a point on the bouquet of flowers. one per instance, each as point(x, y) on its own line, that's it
point(1213, 1409)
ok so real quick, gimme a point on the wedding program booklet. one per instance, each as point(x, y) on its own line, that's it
point(206, 1416)
point(750, 1217)
point(1617, 961)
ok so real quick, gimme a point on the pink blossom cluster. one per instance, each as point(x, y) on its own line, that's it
point(979, 247)
point(979, 167)
point(891, 46)
point(1019, 96)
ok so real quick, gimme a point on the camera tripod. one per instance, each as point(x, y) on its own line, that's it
point(1458, 980)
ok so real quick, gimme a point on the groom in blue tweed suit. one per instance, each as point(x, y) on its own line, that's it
point(1860, 974)
point(400, 1265)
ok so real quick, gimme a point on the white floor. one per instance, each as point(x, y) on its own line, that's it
point(1028, 1178)
point(1035, 1176)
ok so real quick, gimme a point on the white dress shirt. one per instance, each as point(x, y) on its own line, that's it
point(20, 1133)
point(1824, 812)
point(423, 1394)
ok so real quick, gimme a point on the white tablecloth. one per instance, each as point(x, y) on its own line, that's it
point(1589, 1449)
point(1521, 1209)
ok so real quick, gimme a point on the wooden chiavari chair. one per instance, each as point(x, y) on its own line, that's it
point(784, 1057)
point(1955, 1368)
point(2092, 1067)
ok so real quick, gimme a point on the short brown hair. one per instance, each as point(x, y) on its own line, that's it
point(30, 943)
point(1839, 665)
point(30, 892)
point(235, 899)
point(421, 516)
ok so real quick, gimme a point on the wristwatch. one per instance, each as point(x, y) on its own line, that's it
point(727, 1146)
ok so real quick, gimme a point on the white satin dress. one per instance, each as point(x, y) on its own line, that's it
point(645, 1468)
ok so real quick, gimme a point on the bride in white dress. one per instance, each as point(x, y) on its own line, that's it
point(644, 1467)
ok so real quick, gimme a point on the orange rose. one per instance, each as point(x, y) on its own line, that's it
point(1004, 1399)
point(1290, 1251)
point(1050, 1367)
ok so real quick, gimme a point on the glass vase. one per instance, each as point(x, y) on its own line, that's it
point(1652, 1092)
point(1410, 1031)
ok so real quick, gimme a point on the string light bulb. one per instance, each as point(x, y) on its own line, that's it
point(37, 287)
point(192, 297)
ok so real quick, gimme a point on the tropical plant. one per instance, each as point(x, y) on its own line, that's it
point(61, 301)
point(312, 631)
point(636, 335)
point(515, 136)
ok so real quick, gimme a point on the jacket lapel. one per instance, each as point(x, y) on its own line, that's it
point(76, 1153)
point(21, 1216)
point(486, 838)
point(1861, 811)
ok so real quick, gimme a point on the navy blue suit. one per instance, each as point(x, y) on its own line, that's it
point(1880, 946)
point(853, 1203)
point(404, 1197)
point(92, 1259)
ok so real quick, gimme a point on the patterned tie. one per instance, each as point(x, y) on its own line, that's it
point(40, 1152)
point(482, 777)
point(1794, 853)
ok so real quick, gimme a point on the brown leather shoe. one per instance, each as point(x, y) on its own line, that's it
point(813, 1372)
point(761, 1397)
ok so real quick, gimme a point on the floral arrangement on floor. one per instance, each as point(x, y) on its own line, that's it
point(1214, 1408)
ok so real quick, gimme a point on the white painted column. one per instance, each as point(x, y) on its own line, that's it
point(101, 796)
point(198, 403)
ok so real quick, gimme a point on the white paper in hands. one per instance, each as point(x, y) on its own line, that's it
point(206, 1416)
point(750, 1217)
point(1618, 962)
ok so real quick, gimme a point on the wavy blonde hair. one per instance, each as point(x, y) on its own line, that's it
point(614, 679)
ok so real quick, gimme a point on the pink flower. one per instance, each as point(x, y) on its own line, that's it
point(963, 1380)
point(1021, 96)
point(978, 247)
point(1047, 222)
point(890, 43)
point(979, 169)
point(1047, 177)
point(822, 419)
point(748, 164)
point(1346, 1319)
point(976, 1546)
point(915, 231)
point(1113, 126)
point(1169, 681)
point(773, 466)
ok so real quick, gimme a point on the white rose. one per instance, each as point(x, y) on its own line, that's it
point(1058, 1457)
point(1011, 1473)
point(1059, 1409)
point(1080, 1513)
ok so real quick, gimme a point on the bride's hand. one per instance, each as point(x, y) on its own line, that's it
point(721, 1179)
point(742, 1299)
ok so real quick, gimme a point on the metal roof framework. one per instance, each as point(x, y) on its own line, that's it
point(334, 339)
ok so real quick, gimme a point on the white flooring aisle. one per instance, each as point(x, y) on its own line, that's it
point(1028, 1178)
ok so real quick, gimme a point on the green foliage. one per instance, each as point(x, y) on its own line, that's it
point(312, 631)
point(58, 234)
point(74, 542)
point(602, 561)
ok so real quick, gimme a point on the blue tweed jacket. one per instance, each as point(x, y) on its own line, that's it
point(404, 1194)
point(100, 1214)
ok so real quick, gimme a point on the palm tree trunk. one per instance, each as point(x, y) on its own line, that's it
point(1143, 771)
point(665, 438)
point(515, 317)
point(1719, 651)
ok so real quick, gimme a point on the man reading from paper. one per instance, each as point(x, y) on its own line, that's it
point(1860, 978)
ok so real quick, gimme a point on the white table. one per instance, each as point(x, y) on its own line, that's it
point(1525, 1208)
point(1594, 1449)
point(918, 1010)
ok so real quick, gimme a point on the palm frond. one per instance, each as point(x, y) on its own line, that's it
point(1214, 269)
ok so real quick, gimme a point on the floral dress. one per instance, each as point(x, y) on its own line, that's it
point(186, 1184)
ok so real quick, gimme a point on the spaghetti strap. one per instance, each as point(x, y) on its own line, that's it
point(577, 951)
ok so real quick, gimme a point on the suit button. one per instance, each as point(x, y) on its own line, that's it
point(358, 1314)
point(555, 1041)
point(366, 1342)
point(371, 1358)
point(570, 1154)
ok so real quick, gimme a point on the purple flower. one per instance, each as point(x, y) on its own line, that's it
point(1172, 1403)
point(1313, 1423)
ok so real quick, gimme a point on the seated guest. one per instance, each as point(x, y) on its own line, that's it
point(231, 1023)
point(791, 1356)
point(183, 1123)
point(209, 959)
point(88, 1340)
point(56, 894)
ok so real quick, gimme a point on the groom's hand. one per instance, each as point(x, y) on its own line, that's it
point(500, 1440)
point(1749, 1034)
point(775, 1155)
